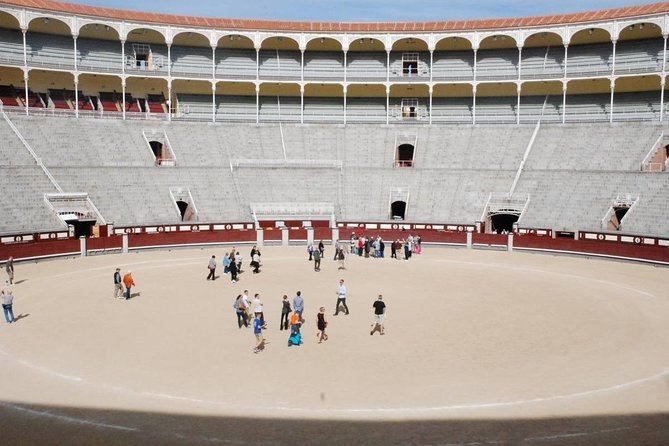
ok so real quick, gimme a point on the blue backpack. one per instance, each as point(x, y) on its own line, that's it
point(295, 339)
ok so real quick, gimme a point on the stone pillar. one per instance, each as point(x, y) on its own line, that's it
point(125, 243)
point(469, 240)
point(335, 236)
point(260, 238)
point(310, 236)
point(82, 245)
point(284, 236)
point(509, 242)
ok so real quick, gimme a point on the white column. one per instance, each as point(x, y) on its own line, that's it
point(520, 60)
point(76, 95)
point(302, 66)
point(345, 62)
point(82, 246)
point(123, 57)
point(664, 53)
point(475, 52)
point(613, 86)
point(285, 237)
point(387, 104)
point(257, 64)
point(169, 99)
point(474, 104)
point(566, 53)
point(302, 101)
point(662, 83)
point(564, 100)
point(124, 238)
point(260, 239)
point(123, 95)
point(345, 91)
point(613, 65)
point(431, 64)
point(74, 37)
point(388, 66)
point(469, 240)
point(169, 60)
point(25, 82)
point(213, 101)
point(213, 61)
point(518, 87)
point(257, 103)
point(430, 89)
point(509, 242)
point(25, 66)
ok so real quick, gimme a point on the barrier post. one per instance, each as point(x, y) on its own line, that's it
point(284, 236)
point(310, 236)
point(125, 243)
point(82, 245)
point(335, 236)
point(469, 240)
point(260, 239)
point(509, 242)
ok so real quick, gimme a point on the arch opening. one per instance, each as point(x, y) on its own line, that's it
point(398, 210)
point(404, 155)
point(503, 223)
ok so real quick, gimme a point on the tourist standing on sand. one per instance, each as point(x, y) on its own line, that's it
point(257, 331)
point(118, 284)
point(298, 304)
point(7, 302)
point(240, 309)
point(322, 325)
point(379, 315)
point(233, 270)
point(129, 282)
point(341, 297)
point(212, 268)
point(9, 268)
point(317, 260)
point(258, 308)
point(285, 312)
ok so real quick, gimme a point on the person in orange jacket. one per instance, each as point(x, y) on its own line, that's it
point(129, 282)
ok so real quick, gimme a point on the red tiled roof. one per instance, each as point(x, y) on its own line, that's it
point(278, 25)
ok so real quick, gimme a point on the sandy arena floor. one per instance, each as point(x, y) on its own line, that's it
point(481, 347)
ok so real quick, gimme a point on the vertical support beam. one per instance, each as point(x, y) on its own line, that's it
point(431, 64)
point(123, 58)
point(613, 87)
point(345, 93)
point(169, 99)
point(169, 61)
point(345, 68)
point(662, 84)
point(302, 103)
point(335, 236)
point(469, 240)
point(74, 37)
point(387, 66)
point(257, 103)
point(213, 62)
point(566, 60)
point(564, 100)
point(124, 238)
point(387, 103)
point(302, 65)
point(520, 61)
point(82, 246)
point(518, 88)
point(310, 236)
point(213, 101)
point(25, 66)
point(509, 242)
point(285, 239)
point(123, 95)
point(613, 63)
point(475, 63)
point(260, 238)
point(430, 90)
point(474, 104)
point(257, 64)
point(76, 95)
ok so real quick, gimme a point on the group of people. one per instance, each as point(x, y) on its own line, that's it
point(317, 254)
point(232, 264)
point(123, 285)
point(292, 316)
point(376, 247)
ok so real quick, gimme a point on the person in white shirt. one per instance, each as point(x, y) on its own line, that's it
point(258, 309)
point(341, 297)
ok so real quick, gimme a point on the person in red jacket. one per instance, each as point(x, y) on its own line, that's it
point(129, 282)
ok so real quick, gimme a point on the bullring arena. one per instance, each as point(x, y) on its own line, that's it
point(529, 154)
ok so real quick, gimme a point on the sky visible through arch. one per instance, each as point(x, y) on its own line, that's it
point(363, 10)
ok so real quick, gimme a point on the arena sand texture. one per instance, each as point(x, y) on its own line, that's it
point(481, 347)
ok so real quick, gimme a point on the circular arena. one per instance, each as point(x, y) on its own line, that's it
point(527, 154)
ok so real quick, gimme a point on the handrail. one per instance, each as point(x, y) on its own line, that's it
point(32, 152)
point(652, 151)
point(522, 162)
